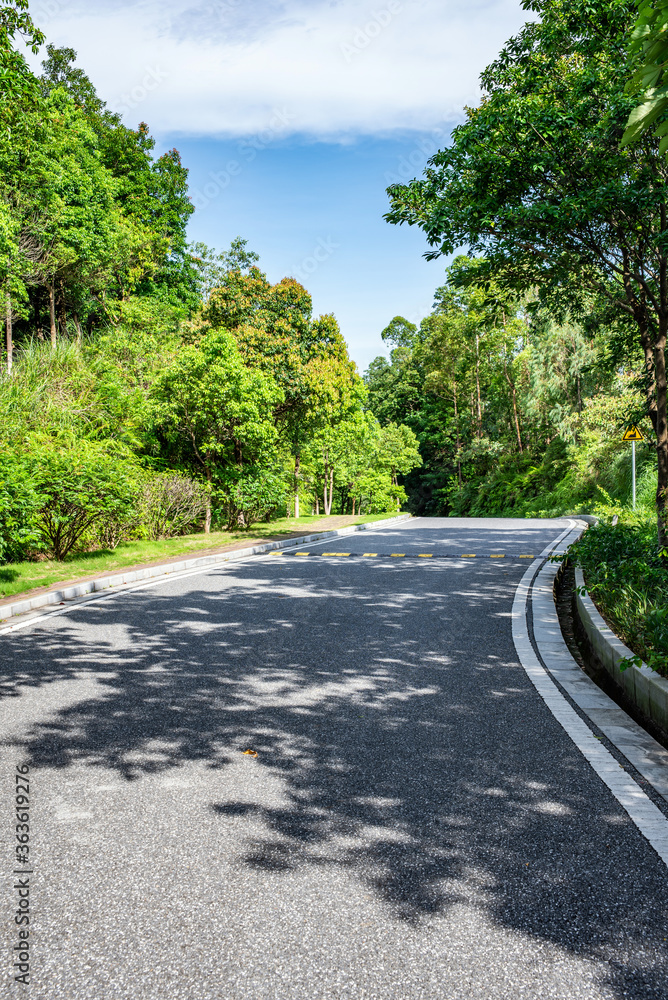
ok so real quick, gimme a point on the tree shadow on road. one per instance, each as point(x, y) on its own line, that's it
point(412, 750)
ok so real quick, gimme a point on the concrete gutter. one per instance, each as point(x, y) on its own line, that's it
point(646, 689)
point(77, 590)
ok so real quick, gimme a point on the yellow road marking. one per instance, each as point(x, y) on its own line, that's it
point(275, 553)
point(370, 553)
point(501, 556)
point(426, 555)
point(398, 555)
point(528, 557)
point(336, 553)
point(302, 553)
point(468, 555)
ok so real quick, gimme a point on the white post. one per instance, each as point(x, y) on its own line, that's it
point(633, 480)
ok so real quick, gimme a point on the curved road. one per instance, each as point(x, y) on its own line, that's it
point(416, 824)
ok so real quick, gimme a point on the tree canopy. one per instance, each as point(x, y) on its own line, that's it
point(649, 43)
point(535, 182)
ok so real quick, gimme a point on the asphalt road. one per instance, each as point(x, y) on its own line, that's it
point(416, 824)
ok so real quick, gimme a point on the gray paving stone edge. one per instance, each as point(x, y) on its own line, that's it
point(77, 590)
point(563, 686)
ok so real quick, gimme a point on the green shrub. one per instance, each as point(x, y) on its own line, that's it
point(377, 494)
point(170, 504)
point(79, 483)
point(20, 503)
point(246, 498)
point(628, 580)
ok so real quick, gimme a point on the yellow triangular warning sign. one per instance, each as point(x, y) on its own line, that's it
point(633, 434)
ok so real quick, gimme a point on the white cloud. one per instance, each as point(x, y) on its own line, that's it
point(226, 67)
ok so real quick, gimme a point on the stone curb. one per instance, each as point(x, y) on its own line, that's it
point(631, 740)
point(167, 569)
point(646, 689)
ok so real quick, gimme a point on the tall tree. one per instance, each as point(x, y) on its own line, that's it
point(535, 180)
point(214, 411)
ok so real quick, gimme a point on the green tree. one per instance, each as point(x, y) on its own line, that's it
point(214, 411)
point(399, 332)
point(398, 450)
point(58, 70)
point(276, 333)
point(649, 43)
point(535, 181)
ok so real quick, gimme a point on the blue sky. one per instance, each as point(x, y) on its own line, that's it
point(293, 118)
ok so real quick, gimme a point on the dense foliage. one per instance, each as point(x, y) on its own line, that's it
point(649, 41)
point(535, 181)
point(625, 576)
point(515, 411)
point(151, 387)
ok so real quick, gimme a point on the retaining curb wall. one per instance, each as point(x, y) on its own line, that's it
point(167, 569)
point(646, 689)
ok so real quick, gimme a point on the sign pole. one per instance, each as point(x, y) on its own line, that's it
point(632, 434)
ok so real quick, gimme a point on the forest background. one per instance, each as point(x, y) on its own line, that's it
point(154, 387)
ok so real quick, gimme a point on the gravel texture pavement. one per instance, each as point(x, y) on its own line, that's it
point(415, 825)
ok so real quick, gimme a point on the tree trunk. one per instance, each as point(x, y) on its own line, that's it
point(77, 327)
point(328, 490)
point(8, 322)
point(655, 381)
point(324, 493)
point(514, 399)
point(477, 386)
point(517, 419)
point(62, 312)
point(661, 438)
point(459, 454)
point(33, 297)
point(317, 505)
point(297, 465)
point(52, 313)
point(207, 518)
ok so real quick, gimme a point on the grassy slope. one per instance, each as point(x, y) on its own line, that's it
point(17, 578)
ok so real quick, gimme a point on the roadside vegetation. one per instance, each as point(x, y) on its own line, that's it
point(626, 578)
point(151, 388)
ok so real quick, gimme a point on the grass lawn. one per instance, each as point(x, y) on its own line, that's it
point(17, 578)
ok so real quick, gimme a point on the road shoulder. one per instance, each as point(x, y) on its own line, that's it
point(588, 715)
